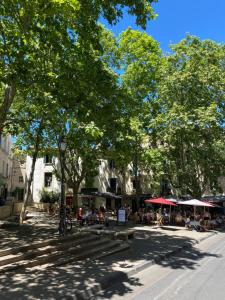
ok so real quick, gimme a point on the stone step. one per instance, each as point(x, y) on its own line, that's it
point(78, 250)
point(43, 243)
point(33, 209)
point(32, 253)
point(107, 252)
point(101, 250)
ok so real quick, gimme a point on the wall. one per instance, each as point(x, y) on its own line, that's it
point(5, 211)
point(41, 206)
point(101, 182)
point(105, 173)
point(5, 163)
point(18, 178)
point(38, 181)
point(13, 208)
point(17, 207)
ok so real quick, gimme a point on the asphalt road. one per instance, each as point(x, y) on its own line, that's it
point(197, 273)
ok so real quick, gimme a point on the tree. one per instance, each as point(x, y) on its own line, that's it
point(81, 159)
point(32, 33)
point(191, 119)
point(86, 86)
point(141, 59)
point(29, 125)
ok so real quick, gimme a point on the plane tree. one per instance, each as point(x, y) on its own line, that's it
point(35, 33)
point(191, 120)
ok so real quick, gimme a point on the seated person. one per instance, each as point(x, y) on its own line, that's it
point(152, 215)
point(219, 221)
point(101, 217)
point(202, 226)
point(178, 218)
point(68, 211)
point(92, 217)
point(81, 216)
point(136, 218)
point(188, 223)
point(159, 219)
point(148, 217)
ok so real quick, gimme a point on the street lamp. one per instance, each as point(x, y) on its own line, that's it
point(62, 225)
point(135, 165)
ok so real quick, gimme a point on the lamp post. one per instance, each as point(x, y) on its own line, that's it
point(62, 225)
point(137, 187)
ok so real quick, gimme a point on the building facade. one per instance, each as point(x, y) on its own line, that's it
point(5, 165)
point(44, 178)
point(99, 190)
point(108, 182)
point(18, 178)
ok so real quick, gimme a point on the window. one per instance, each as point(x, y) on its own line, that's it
point(113, 184)
point(20, 178)
point(136, 184)
point(20, 194)
point(48, 159)
point(48, 179)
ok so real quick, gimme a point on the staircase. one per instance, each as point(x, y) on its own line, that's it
point(59, 251)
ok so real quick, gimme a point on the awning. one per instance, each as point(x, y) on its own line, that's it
point(214, 199)
point(106, 195)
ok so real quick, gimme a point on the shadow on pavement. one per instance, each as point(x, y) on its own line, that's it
point(80, 280)
point(15, 236)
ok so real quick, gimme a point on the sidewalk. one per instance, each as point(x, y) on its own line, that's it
point(83, 279)
point(12, 235)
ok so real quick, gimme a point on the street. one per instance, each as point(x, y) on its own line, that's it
point(189, 275)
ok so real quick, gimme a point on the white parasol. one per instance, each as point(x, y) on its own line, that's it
point(195, 202)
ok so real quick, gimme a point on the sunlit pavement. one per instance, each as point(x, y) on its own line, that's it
point(87, 277)
point(195, 273)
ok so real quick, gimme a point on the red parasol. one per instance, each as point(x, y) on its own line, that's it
point(162, 201)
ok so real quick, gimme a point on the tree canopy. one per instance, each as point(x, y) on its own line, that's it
point(191, 121)
point(113, 98)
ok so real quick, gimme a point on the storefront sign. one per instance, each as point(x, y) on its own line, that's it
point(121, 216)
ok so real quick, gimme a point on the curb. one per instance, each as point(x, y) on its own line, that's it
point(168, 254)
point(118, 276)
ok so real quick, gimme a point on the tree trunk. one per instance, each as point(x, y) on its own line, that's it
point(28, 190)
point(30, 179)
point(124, 181)
point(75, 196)
point(9, 95)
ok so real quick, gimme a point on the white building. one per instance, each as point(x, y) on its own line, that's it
point(18, 178)
point(108, 180)
point(44, 178)
point(5, 165)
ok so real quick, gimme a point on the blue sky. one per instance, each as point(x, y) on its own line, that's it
point(203, 18)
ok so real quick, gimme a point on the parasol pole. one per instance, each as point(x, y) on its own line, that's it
point(194, 212)
point(170, 213)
